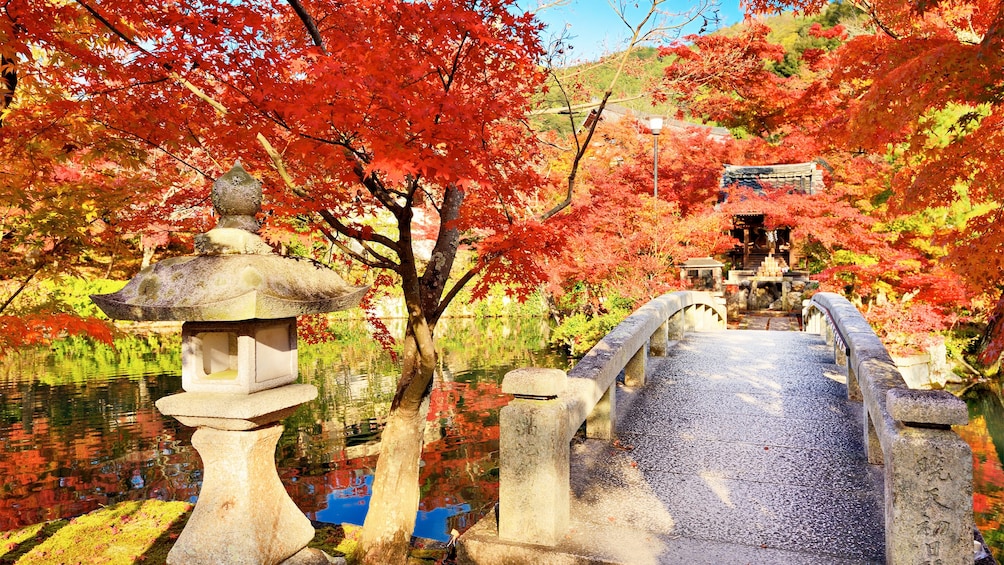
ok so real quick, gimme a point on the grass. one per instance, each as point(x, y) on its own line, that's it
point(143, 532)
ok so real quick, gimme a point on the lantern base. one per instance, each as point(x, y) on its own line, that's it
point(244, 515)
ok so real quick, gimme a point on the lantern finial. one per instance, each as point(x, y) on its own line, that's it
point(237, 198)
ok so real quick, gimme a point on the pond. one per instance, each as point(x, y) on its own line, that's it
point(78, 428)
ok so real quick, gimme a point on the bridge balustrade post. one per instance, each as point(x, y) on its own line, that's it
point(828, 334)
point(690, 318)
point(676, 325)
point(839, 353)
point(658, 344)
point(853, 386)
point(816, 322)
point(601, 422)
point(928, 480)
point(634, 371)
point(534, 458)
point(873, 446)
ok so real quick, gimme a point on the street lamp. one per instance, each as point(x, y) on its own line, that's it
point(655, 124)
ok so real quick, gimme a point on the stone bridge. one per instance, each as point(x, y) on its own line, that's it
point(729, 447)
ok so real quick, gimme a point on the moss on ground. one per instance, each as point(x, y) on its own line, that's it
point(124, 534)
point(143, 532)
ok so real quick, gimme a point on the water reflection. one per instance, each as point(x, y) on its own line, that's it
point(78, 427)
point(985, 434)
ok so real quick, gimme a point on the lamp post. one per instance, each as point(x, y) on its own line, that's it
point(655, 124)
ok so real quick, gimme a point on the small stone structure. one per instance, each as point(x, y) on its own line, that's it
point(239, 304)
point(928, 467)
point(547, 410)
point(703, 273)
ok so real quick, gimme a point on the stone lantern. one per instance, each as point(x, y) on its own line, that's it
point(239, 303)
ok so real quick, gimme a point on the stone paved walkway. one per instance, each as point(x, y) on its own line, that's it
point(742, 448)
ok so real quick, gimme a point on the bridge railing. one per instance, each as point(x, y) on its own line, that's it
point(549, 407)
point(927, 466)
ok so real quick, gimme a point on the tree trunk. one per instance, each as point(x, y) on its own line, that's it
point(992, 341)
point(390, 520)
point(386, 534)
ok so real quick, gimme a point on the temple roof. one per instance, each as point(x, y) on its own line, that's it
point(801, 177)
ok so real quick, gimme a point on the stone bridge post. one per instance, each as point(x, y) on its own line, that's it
point(534, 458)
point(929, 478)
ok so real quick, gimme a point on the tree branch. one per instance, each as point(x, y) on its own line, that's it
point(378, 261)
point(309, 23)
point(94, 13)
point(571, 108)
point(358, 234)
point(636, 37)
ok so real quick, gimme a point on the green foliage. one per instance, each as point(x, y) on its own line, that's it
point(961, 342)
point(499, 303)
point(817, 256)
point(76, 359)
point(588, 81)
point(846, 257)
point(953, 121)
point(72, 295)
point(840, 13)
point(578, 333)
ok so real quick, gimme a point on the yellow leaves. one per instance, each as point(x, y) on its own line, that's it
point(846, 257)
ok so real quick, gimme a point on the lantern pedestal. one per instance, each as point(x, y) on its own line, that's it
point(243, 516)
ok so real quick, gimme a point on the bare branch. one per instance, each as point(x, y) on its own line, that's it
point(572, 108)
point(378, 261)
point(637, 36)
point(280, 167)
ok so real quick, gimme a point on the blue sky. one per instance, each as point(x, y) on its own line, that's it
point(597, 29)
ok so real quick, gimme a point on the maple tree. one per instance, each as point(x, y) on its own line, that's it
point(905, 110)
point(927, 83)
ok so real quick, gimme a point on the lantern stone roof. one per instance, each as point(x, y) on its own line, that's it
point(234, 275)
point(215, 288)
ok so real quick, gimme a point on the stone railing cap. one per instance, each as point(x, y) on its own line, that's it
point(534, 382)
point(938, 407)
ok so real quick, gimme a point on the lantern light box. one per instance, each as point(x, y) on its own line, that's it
point(238, 357)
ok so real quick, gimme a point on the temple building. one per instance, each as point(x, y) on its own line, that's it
point(760, 251)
